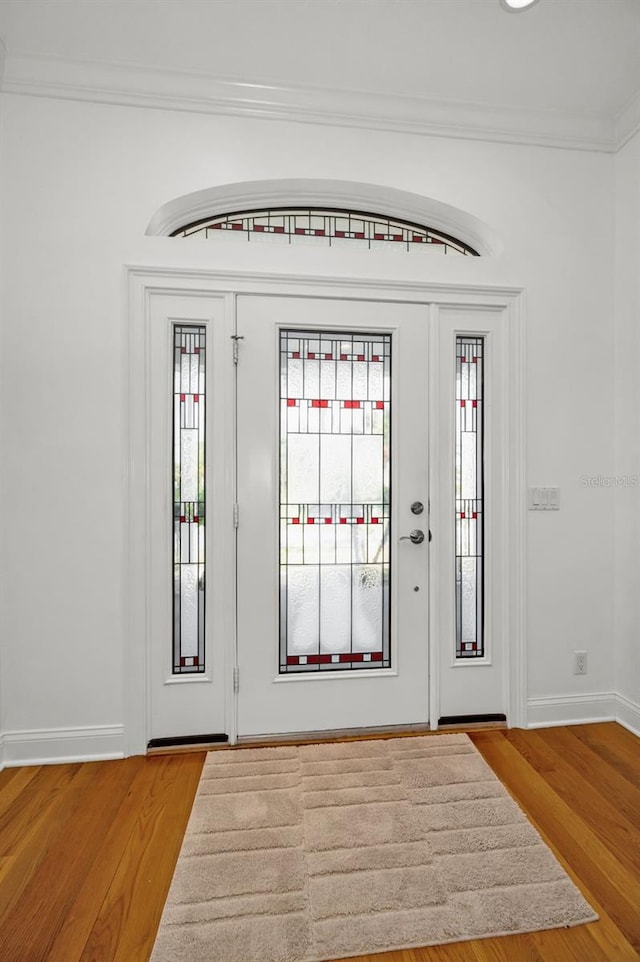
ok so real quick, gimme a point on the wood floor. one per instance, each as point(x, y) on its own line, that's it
point(87, 851)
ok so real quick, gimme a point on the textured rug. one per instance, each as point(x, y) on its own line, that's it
point(333, 850)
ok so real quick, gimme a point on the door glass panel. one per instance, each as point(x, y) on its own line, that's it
point(469, 497)
point(188, 498)
point(335, 474)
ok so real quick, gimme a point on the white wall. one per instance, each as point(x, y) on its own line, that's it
point(80, 183)
point(2, 448)
point(627, 421)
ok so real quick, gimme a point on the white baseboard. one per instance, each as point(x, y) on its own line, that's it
point(571, 709)
point(2, 762)
point(51, 746)
point(628, 714)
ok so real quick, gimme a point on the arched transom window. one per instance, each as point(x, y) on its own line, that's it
point(331, 227)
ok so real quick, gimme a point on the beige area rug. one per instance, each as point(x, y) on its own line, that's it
point(326, 851)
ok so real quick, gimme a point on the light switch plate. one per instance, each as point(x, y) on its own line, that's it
point(544, 498)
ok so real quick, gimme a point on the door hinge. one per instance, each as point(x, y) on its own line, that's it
point(236, 678)
point(236, 515)
point(235, 338)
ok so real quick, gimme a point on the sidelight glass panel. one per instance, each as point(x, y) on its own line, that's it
point(469, 479)
point(335, 450)
point(189, 389)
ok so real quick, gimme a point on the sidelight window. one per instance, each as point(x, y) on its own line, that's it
point(188, 483)
point(469, 508)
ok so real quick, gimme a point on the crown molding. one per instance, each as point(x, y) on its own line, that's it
point(627, 122)
point(135, 86)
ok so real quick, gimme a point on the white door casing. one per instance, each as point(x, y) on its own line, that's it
point(497, 313)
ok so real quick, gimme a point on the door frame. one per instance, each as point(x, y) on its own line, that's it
point(142, 283)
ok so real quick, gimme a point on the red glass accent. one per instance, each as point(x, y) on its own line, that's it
point(311, 355)
point(278, 230)
point(183, 350)
point(258, 227)
point(311, 520)
point(292, 660)
point(462, 514)
point(343, 357)
point(328, 357)
point(182, 397)
point(475, 360)
point(183, 662)
point(378, 236)
point(195, 661)
point(352, 404)
point(375, 357)
point(318, 659)
point(433, 240)
point(397, 237)
point(216, 226)
point(295, 520)
point(291, 402)
point(300, 230)
point(417, 239)
point(236, 227)
point(379, 405)
point(327, 520)
point(359, 520)
point(319, 403)
point(359, 234)
point(376, 656)
point(320, 232)
point(374, 521)
point(474, 404)
point(343, 520)
point(361, 357)
point(196, 398)
point(181, 519)
point(195, 519)
point(462, 404)
point(296, 354)
point(340, 233)
point(196, 350)
point(475, 514)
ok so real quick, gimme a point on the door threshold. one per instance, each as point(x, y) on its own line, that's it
point(334, 734)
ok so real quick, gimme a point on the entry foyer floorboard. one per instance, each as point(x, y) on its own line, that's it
point(87, 851)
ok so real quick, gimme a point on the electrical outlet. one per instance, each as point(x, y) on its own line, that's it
point(579, 663)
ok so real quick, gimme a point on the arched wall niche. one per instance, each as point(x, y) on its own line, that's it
point(346, 195)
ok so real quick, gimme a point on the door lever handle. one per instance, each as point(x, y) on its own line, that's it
point(416, 536)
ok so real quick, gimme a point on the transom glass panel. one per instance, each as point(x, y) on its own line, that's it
point(335, 471)
point(327, 227)
point(469, 480)
point(189, 360)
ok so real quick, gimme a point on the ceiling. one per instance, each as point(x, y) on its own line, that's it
point(580, 56)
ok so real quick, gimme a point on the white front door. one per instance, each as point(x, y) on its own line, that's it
point(331, 454)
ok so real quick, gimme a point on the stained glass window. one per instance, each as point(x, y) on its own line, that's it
point(189, 360)
point(332, 227)
point(335, 449)
point(469, 480)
